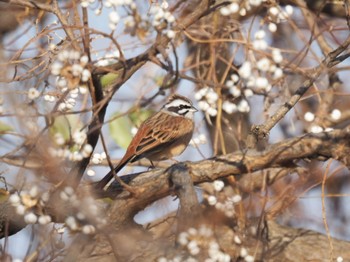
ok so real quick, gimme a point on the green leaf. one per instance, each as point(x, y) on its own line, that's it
point(5, 127)
point(108, 79)
point(139, 116)
point(120, 128)
point(65, 125)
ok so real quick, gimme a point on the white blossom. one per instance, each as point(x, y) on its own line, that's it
point(248, 92)
point(243, 252)
point(71, 223)
point(225, 11)
point(274, 11)
point(193, 247)
point(336, 114)
point(235, 91)
point(212, 200)
point(229, 107)
point(289, 9)
point(79, 137)
point(272, 27)
point(340, 259)
point(309, 117)
point(255, 2)
point(263, 64)
point(242, 11)
point(277, 56)
point(85, 76)
point(278, 73)
point(87, 150)
point(34, 191)
point(236, 198)
point(182, 239)
point(114, 17)
point(262, 83)
point(212, 111)
point(243, 106)
point(14, 199)
point(245, 70)
point(260, 44)
point(316, 129)
point(33, 93)
point(20, 209)
point(44, 219)
point(260, 34)
point(234, 8)
point(84, 60)
point(30, 218)
point(56, 68)
point(88, 229)
point(203, 105)
point(170, 34)
point(237, 240)
point(218, 185)
point(90, 172)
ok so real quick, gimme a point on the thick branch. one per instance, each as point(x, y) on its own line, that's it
point(156, 184)
point(31, 4)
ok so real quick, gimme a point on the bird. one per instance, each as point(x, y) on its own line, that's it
point(164, 135)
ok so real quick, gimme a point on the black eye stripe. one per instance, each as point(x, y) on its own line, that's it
point(173, 109)
point(176, 109)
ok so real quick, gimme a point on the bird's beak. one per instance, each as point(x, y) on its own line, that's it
point(193, 109)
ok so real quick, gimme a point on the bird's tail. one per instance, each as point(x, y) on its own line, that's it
point(105, 180)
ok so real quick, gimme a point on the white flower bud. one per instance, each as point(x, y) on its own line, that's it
point(30, 218)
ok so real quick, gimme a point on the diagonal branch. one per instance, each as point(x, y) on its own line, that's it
point(262, 131)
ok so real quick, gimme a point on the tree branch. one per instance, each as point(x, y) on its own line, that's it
point(262, 131)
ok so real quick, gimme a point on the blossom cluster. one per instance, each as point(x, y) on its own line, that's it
point(249, 78)
point(201, 240)
point(74, 150)
point(199, 140)
point(108, 59)
point(159, 17)
point(207, 100)
point(220, 201)
point(240, 7)
point(71, 77)
point(28, 203)
point(310, 117)
point(96, 159)
point(162, 18)
point(31, 203)
point(114, 16)
point(86, 3)
point(275, 15)
point(84, 209)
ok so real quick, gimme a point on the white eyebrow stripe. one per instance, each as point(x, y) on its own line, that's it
point(177, 103)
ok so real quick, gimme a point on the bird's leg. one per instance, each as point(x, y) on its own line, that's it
point(152, 166)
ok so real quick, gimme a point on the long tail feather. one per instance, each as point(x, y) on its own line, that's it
point(105, 180)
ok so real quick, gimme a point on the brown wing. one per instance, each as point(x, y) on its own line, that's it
point(162, 129)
